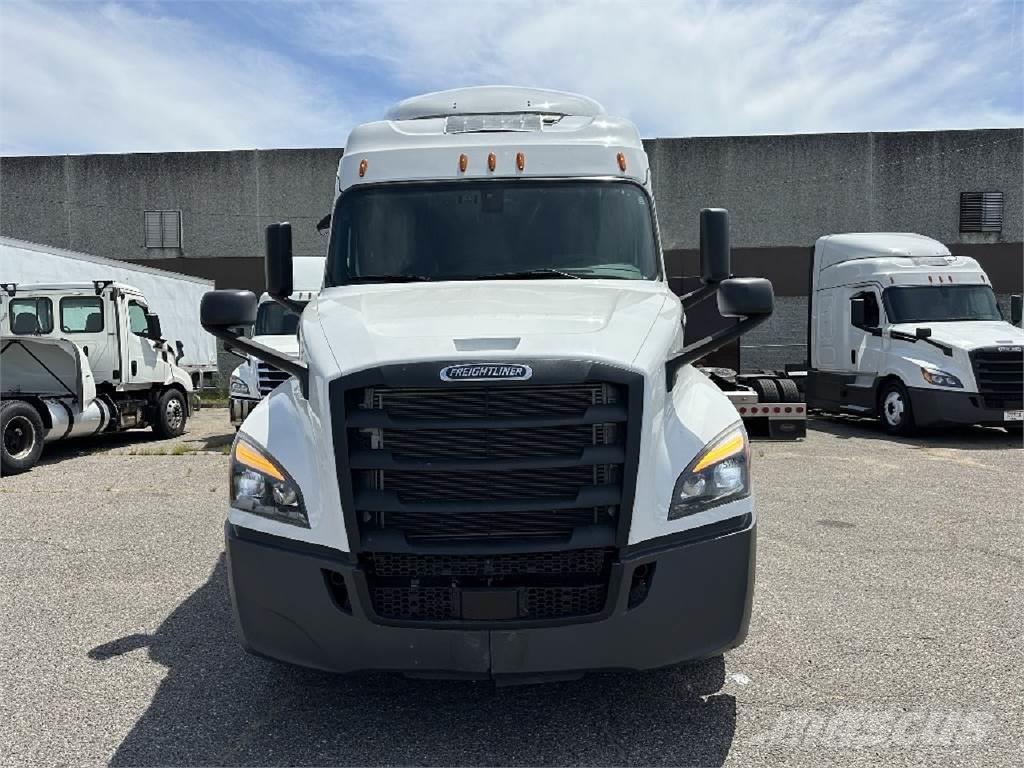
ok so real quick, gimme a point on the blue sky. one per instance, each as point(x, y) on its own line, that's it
point(158, 76)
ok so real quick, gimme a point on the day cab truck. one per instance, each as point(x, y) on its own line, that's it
point(902, 330)
point(276, 327)
point(494, 457)
point(79, 359)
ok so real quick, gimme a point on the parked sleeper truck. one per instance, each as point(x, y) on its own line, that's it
point(79, 359)
point(902, 330)
point(494, 457)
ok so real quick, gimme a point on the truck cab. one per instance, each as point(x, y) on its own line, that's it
point(494, 456)
point(83, 358)
point(902, 330)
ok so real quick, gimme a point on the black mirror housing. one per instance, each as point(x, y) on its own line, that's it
point(278, 262)
point(923, 333)
point(745, 297)
point(1016, 308)
point(715, 258)
point(153, 327)
point(227, 308)
point(858, 312)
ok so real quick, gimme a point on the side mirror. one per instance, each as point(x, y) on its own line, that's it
point(324, 224)
point(857, 312)
point(745, 297)
point(226, 308)
point(1016, 308)
point(923, 333)
point(715, 257)
point(153, 327)
point(278, 262)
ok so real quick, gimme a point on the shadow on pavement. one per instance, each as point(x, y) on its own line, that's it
point(219, 706)
point(965, 438)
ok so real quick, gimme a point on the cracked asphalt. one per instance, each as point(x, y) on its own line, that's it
point(887, 627)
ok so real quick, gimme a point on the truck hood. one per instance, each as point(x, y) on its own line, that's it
point(968, 335)
point(604, 320)
point(286, 344)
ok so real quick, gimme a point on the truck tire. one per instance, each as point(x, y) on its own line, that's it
point(895, 411)
point(766, 389)
point(22, 430)
point(790, 391)
point(171, 414)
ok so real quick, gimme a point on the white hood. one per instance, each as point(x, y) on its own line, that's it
point(604, 320)
point(969, 334)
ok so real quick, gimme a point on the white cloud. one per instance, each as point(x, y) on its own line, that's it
point(706, 68)
point(92, 78)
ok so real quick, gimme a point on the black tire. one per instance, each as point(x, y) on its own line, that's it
point(790, 391)
point(766, 389)
point(23, 433)
point(171, 414)
point(895, 410)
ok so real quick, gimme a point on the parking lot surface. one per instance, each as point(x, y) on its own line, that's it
point(887, 627)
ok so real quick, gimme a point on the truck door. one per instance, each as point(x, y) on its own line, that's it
point(87, 320)
point(143, 362)
point(865, 341)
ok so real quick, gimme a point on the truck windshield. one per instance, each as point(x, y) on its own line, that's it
point(938, 303)
point(500, 229)
point(272, 319)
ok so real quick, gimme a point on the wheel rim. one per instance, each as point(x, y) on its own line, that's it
point(19, 438)
point(175, 413)
point(893, 407)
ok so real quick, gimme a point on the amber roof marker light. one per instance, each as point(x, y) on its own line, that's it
point(362, 167)
point(492, 161)
point(520, 160)
point(463, 163)
point(622, 161)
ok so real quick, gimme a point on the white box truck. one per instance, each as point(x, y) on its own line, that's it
point(276, 327)
point(494, 457)
point(902, 330)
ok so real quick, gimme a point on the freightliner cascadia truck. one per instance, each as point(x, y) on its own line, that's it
point(493, 456)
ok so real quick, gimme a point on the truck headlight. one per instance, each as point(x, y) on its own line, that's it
point(719, 474)
point(260, 486)
point(941, 378)
point(237, 386)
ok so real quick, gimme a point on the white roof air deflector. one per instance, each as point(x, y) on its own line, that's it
point(522, 121)
point(494, 100)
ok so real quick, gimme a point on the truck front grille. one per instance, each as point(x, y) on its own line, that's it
point(999, 372)
point(535, 586)
point(484, 461)
point(269, 378)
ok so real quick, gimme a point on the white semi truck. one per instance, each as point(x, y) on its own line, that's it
point(902, 330)
point(276, 327)
point(80, 359)
point(494, 456)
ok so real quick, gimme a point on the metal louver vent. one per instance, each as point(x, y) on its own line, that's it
point(163, 229)
point(981, 211)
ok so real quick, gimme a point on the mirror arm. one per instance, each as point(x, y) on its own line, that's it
point(696, 296)
point(287, 364)
point(707, 345)
point(289, 303)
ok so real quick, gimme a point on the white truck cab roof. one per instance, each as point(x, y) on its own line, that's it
point(890, 258)
point(77, 287)
point(529, 132)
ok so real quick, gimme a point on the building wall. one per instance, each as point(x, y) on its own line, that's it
point(783, 192)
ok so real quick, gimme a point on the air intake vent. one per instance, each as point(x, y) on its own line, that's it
point(981, 211)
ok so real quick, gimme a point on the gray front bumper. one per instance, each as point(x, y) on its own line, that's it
point(936, 407)
point(698, 605)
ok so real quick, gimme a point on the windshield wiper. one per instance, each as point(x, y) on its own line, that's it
point(386, 279)
point(529, 274)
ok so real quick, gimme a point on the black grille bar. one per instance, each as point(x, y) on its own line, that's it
point(999, 372)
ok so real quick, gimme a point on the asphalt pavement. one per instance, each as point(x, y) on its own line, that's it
point(887, 627)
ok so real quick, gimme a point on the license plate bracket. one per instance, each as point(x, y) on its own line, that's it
point(490, 604)
point(1013, 415)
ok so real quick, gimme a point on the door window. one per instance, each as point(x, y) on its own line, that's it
point(872, 312)
point(81, 314)
point(30, 315)
point(137, 322)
